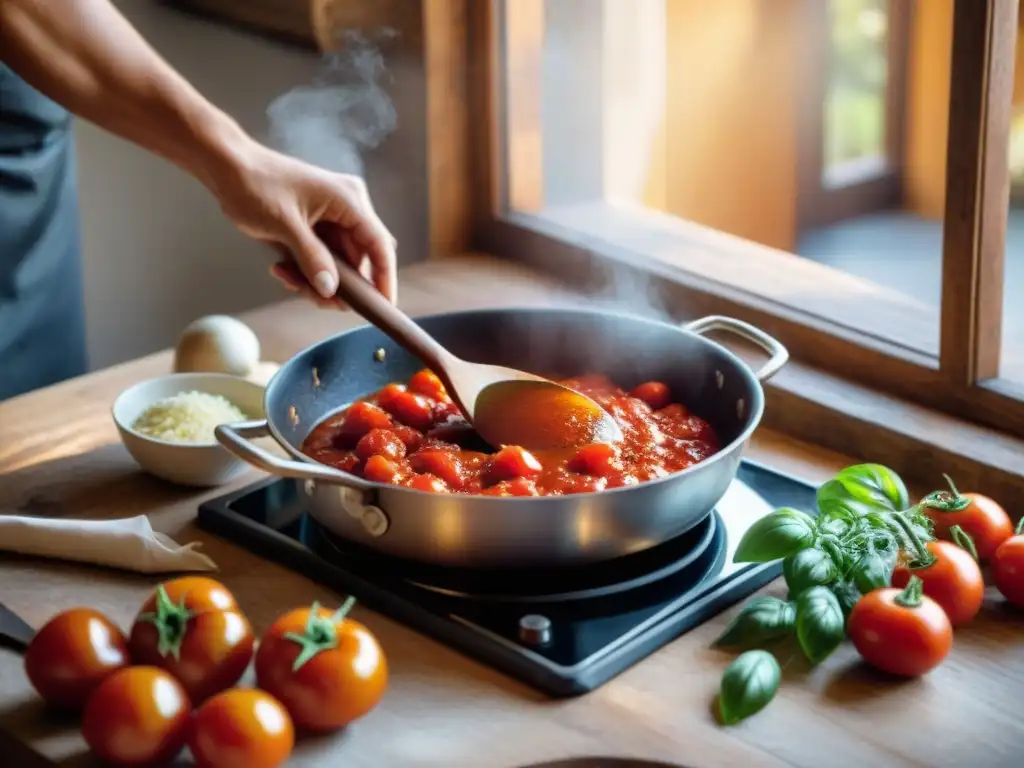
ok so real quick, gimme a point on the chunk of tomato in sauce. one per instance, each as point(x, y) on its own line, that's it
point(426, 382)
point(386, 395)
point(381, 442)
point(412, 438)
point(600, 459)
point(359, 419)
point(521, 486)
point(381, 470)
point(655, 393)
point(443, 464)
point(428, 483)
point(411, 409)
point(512, 462)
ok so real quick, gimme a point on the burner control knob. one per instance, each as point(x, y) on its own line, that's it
point(535, 629)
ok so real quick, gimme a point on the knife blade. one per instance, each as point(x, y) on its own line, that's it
point(15, 633)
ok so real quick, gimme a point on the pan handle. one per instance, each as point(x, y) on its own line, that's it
point(236, 439)
point(778, 354)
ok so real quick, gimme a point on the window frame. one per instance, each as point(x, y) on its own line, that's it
point(962, 380)
point(819, 204)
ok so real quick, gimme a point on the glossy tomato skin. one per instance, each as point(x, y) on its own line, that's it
point(217, 644)
point(954, 581)
point(72, 654)
point(241, 728)
point(983, 520)
point(139, 716)
point(1008, 570)
point(897, 639)
point(335, 687)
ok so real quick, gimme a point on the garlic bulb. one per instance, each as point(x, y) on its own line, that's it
point(217, 344)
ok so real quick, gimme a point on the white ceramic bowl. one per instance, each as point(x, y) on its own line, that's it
point(195, 464)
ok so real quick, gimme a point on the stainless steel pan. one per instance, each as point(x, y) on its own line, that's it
point(463, 530)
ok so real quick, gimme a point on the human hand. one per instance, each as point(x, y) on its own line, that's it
point(309, 216)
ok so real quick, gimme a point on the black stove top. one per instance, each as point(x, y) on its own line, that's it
point(563, 631)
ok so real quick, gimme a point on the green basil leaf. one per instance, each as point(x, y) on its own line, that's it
point(847, 595)
point(748, 684)
point(873, 571)
point(808, 568)
point(775, 536)
point(761, 621)
point(863, 488)
point(820, 624)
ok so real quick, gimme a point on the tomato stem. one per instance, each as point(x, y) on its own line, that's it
point(946, 501)
point(1020, 527)
point(319, 634)
point(922, 557)
point(964, 540)
point(911, 595)
point(171, 622)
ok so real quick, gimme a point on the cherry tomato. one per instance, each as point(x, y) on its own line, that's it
point(359, 419)
point(381, 442)
point(427, 383)
point(512, 462)
point(381, 470)
point(1008, 567)
point(409, 436)
point(521, 486)
point(241, 728)
point(654, 393)
point(953, 580)
point(193, 628)
point(138, 716)
point(443, 464)
point(428, 483)
point(900, 631)
point(595, 459)
point(328, 670)
point(980, 517)
point(72, 654)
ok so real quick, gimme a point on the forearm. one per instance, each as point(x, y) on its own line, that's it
point(85, 55)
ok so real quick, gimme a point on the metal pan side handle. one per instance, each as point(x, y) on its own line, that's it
point(778, 355)
point(236, 438)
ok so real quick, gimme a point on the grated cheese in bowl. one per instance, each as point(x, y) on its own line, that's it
point(187, 417)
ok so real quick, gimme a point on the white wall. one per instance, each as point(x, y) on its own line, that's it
point(157, 252)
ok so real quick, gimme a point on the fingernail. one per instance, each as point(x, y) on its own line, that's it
point(325, 284)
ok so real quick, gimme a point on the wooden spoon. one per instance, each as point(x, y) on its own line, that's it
point(505, 406)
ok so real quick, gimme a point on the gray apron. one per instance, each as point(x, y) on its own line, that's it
point(42, 324)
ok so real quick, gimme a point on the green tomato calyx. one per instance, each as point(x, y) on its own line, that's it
point(171, 622)
point(319, 634)
point(946, 501)
point(912, 594)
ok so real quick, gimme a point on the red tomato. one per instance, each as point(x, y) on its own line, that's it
point(595, 459)
point(411, 437)
point(412, 410)
point(902, 632)
point(381, 470)
point(193, 628)
point(443, 464)
point(511, 462)
point(980, 517)
point(953, 580)
point(328, 670)
point(428, 483)
point(654, 393)
point(387, 395)
point(138, 716)
point(381, 442)
point(241, 728)
point(359, 419)
point(427, 383)
point(72, 654)
point(1008, 567)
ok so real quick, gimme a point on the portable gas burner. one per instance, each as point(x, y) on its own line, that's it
point(563, 631)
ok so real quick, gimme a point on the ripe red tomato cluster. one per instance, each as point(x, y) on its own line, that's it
point(173, 680)
point(907, 629)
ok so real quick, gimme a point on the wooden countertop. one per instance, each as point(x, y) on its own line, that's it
point(60, 455)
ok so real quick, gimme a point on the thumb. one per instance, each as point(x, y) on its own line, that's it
point(315, 260)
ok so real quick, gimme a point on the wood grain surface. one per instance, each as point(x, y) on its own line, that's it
point(60, 455)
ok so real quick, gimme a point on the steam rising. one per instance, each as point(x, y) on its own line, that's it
point(342, 114)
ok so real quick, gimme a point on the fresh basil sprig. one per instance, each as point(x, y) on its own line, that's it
point(762, 621)
point(820, 624)
point(779, 534)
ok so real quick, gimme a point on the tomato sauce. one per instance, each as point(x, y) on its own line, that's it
point(413, 435)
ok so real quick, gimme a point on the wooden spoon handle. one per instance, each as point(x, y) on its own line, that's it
point(365, 299)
